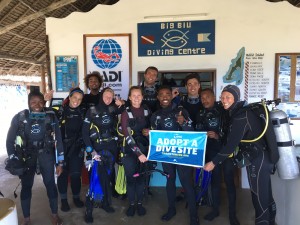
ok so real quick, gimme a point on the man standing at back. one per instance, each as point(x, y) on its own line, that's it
point(150, 87)
point(191, 102)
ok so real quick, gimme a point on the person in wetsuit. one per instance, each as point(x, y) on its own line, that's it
point(245, 125)
point(211, 119)
point(71, 118)
point(175, 118)
point(100, 137)
point(40, 138)
point(134, 120)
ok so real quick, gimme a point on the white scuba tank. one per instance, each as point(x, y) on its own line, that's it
point(287, 166)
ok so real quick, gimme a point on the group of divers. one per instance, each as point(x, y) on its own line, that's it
point(86, 124)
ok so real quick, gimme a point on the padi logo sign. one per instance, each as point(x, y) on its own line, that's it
point(106, 53)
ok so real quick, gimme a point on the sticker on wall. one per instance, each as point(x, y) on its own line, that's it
point(235, 72)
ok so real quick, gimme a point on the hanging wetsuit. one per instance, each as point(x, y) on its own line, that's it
point(211, 120)
point(134, 120)
point(245, 125)
point(71, 120)
point(166, 119)
point(36, 131)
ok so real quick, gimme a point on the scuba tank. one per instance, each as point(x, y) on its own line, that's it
point(287, 164)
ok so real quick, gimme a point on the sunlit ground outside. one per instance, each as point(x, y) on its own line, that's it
point(13, 99)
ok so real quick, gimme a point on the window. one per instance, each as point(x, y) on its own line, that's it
point(287, 83)
point(287, 75)
point(176, 79)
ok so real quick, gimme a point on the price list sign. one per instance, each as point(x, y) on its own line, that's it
point(66, 70)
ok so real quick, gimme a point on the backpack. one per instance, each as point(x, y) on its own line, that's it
point(262, 112)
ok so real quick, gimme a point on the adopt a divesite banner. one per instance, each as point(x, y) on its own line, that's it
point(178, 147)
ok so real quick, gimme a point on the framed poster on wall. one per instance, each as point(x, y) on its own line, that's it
point(66, 72)
point(109, 54)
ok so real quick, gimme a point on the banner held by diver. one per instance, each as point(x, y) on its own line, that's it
point(178, 147)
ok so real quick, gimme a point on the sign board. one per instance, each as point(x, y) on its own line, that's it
point(110, 54)
point(178, 147)
point(66, 71)
point(176, 38)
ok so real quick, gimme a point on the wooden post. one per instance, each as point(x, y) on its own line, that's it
point(48, 64)
point(43, 78)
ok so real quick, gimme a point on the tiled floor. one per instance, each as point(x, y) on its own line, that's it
point(156, 206)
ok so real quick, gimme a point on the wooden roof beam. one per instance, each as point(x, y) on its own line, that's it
point(19, 59)
point(36, 15)
point(4, 3)
point(24, 37)
point(28, 6)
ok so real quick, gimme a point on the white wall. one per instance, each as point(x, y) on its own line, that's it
point(257, 25)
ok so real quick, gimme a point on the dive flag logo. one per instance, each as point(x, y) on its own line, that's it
point(147, 39)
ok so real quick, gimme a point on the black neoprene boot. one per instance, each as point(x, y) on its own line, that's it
point(194, 221)
point(65, 205)
point(78, 203)
point(211, 215)
point(233, 220)
point(131, 210)
point(141, 211)
point(89, 204)
point(169, 215)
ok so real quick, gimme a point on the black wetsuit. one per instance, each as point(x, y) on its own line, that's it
point(150, 97)
point(245, 125)
point(99, 132)
point(39, 152)
point(71, 121)
point(166, 119)
point(91, 100)
point(192, 105)
point(211, 120)
point(136, 119)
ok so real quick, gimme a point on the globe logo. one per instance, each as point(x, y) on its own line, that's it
point(106, 54)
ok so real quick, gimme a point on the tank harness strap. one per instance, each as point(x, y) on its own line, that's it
point(285, 144)
point(276, 122)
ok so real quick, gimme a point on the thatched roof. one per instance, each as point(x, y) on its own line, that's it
point(23, 41)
